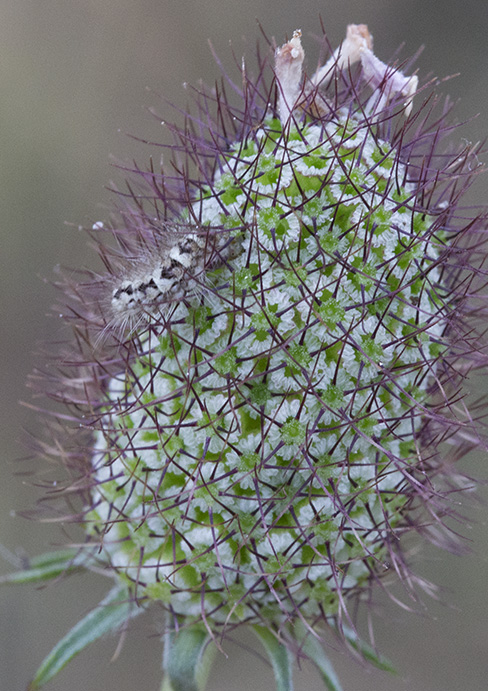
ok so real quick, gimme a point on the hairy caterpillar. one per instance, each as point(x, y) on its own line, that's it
point(171, 270)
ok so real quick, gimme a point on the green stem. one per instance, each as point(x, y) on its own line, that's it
point(280, 657)
point(187, 660)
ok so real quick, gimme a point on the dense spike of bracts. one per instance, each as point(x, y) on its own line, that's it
point(272, 365)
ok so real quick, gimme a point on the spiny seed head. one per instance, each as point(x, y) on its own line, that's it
point(277, 385)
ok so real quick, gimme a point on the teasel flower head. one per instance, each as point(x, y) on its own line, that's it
point(269, 372)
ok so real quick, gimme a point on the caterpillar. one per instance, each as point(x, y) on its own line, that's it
point(174, 269)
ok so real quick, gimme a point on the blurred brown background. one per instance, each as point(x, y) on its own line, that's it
point(73, 80)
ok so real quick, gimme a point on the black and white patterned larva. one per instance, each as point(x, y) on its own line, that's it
point(175, 268)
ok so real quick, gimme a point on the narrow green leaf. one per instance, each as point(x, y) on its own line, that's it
point(312, 648)
point(279, 656)
point(47, 566)
point(111, 613)
point(187, 659)
point(368, 652)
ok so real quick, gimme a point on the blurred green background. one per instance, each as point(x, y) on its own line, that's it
point(74, 79)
